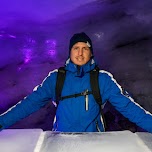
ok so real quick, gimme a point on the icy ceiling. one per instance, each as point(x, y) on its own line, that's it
point(37, 24)
point(38, 9)
point(34, 38)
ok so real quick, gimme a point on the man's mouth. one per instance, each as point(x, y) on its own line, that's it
point(80, 58)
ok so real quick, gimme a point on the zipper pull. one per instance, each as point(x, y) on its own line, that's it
point(86, 100)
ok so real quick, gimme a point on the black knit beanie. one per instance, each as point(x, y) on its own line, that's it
point(80, 37)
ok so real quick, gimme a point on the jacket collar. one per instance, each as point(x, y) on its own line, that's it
point(80, 70)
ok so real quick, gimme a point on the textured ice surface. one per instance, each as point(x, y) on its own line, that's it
point(146, 138)
point(35, 140)
point(94, 142)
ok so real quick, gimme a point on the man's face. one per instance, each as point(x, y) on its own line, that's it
point(80, 53)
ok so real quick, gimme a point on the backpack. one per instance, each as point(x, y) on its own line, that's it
point(94, 86)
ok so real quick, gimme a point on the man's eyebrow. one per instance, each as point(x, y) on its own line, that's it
point(86, 47)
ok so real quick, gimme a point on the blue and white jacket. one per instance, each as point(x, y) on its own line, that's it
point(71, 114)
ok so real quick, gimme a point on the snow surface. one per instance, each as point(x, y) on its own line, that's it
point(94, 142)
point(35, 140)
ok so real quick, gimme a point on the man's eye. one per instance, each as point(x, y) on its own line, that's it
point(75, 48)
point(86, 48)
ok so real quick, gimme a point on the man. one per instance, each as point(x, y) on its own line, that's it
point(79, 114)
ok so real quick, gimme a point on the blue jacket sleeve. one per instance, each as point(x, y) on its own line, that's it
point(125, 104)
point(40, 96)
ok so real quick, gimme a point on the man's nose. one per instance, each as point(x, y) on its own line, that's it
point(80, 51)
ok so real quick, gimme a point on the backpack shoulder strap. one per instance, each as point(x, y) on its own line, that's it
point(59, 83)
point(95, 85)
point(94, 74)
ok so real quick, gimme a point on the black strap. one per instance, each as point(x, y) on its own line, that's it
point(95, 85)
point(76, 95)
point(94, 82)
point(59, 83)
